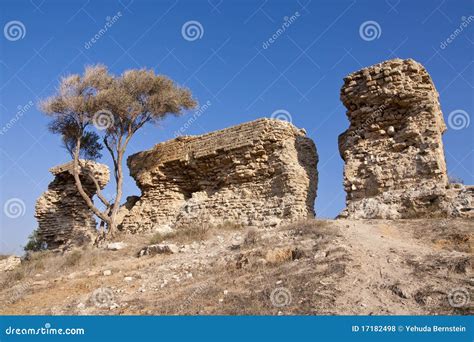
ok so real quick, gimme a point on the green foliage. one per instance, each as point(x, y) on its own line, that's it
point(34, 244)
point(70, 131)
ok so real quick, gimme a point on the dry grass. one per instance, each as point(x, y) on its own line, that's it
point(251, 238)
point(250, 277)
point(321, 265)
point(196, 232)
point(183, 235)
point(441, 234)
point(73, 258)
point(228, 226)
point(317, 229)
point(52, 263)
point(159, 238)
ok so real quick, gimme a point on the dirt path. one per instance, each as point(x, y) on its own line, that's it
point(319, 267)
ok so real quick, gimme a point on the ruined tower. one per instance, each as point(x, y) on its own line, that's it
point(393, 151)
point(64, 219)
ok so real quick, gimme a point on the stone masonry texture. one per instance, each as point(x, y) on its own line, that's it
point(256, 173)
point(393, 149)
point(64, 219)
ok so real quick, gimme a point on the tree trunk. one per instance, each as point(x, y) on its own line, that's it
point(79, 187)
point(112, 224)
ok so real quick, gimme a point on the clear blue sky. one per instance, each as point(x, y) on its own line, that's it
point(300, 72)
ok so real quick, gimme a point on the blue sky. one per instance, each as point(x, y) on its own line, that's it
point(300, 72)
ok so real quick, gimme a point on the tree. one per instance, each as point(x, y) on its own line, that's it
point(34, 244)
point(117, 107)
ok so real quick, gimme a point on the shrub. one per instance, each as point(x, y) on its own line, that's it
point(72, 258)
point(34, 244)
point(159, 238)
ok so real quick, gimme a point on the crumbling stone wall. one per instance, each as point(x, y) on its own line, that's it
point(64, 219)
point(393, 149)
point(255, 173)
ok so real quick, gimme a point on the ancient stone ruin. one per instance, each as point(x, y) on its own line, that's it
point(256, 173)
point(393, 149)
point(265, 172)
point(64, 219)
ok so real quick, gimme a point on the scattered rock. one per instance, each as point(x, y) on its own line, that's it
point(9, 263)
point(320, 255)
point(116, 246)
point(40, 283)
point(403, 290)
point(107, 272)
point(163, 229)
point(279, 255)
point(159, 249)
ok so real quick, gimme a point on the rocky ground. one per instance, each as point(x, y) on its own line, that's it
point(316, 267)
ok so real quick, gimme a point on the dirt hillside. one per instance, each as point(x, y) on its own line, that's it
point(315, 267)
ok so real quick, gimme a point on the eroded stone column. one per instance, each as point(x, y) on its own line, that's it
point(64, 219)
point(393, 149)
